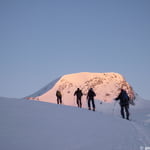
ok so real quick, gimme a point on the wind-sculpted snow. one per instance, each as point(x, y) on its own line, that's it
point(33, 125)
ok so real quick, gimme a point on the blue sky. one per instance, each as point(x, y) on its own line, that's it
point(41, 40)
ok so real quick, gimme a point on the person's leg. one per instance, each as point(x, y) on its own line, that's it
point(93, 104)
point(77, 102)
point(89, 105)
point(122, 111)
point(60, 100)
point(57, 100)
point(127, 112)
point(80, 102)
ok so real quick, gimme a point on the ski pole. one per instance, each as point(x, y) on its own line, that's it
point(114, 107)
point(74, 99)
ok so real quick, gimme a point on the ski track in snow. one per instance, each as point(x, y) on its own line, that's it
point(143, 137)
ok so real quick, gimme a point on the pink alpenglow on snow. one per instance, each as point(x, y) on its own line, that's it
point(106, 86)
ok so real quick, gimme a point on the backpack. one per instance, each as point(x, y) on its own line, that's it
point(91, 94)
point(124, 98)
point(58, 94)
point(79, 93)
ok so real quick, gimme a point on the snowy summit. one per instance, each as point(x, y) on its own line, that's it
point(106, 86)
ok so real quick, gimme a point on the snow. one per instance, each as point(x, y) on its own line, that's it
point(35, 125)
point(106, 85)
point(45, 89)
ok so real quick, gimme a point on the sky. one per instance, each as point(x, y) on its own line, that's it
point(41, 40)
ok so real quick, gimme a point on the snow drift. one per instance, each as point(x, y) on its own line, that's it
point(28, 124)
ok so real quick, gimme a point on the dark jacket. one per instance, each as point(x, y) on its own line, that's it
point(78, 93)
point(123, 97)
point(91, 94)
point(58, 94)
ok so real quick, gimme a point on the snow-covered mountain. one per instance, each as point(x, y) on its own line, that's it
point(106, 86)
point(37, 125)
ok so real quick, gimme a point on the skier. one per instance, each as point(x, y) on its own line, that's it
point(90, 98)
point(124, 103)
point(59, 97)
point(78, 94)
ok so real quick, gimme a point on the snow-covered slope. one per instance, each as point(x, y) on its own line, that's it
point(44, 89)
point(106, 85)
point(33, 125)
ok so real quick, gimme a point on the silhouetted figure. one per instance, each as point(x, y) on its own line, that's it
point(90, 97)
point(78, 94)
point(59, 97)
point(124, 103)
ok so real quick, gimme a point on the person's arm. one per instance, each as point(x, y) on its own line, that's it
point(75, 93)
point(87, 96)
point(118, 97)
point(81, 93)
